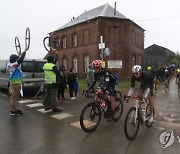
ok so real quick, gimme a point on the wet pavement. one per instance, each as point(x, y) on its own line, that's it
point(168, 108)
point(40, 132)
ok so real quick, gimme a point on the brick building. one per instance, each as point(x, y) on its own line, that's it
point(78, 41)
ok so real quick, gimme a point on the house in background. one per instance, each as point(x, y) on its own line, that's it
point(78, 42)
point(157, 55)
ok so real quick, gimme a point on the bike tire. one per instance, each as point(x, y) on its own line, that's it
point(134, 123)
point(89, 125)
point(147, 123)
point(118, 94)
point(118, 109)
point(179, 90)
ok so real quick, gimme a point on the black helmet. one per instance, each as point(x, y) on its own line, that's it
point(50, 59)
point(13, 58)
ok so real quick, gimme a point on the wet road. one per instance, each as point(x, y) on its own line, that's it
point(40, 132)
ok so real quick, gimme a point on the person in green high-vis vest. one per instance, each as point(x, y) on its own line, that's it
point(51, 75)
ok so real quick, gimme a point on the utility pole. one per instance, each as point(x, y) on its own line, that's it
point(101, 47)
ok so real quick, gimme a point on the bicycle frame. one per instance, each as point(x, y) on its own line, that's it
point(98, 100)
point(137, 106)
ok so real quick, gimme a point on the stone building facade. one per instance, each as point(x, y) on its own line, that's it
point(78, 41)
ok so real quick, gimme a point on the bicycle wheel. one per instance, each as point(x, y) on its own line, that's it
point(148, 113)
point(131, 124)
point(178, 90)
point(118, 109)
point(90, 117)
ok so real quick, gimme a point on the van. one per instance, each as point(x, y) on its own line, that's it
point(32, 72)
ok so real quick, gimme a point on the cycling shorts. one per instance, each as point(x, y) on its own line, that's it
point(143, 87)
point(111, 90)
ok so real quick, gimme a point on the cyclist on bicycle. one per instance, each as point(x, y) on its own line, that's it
point(166, 75)
point(153, 72)
point(178, 76)
point(108, 83)
point(146, 86)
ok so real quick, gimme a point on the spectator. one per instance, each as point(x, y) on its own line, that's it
point(71, 81)
point(51, 73)
point(90, 76)
point(62, 83)
point(15, 81)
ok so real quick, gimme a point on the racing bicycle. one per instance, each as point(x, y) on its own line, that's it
point(90, 116)
point(136, 115)
point(166, 85)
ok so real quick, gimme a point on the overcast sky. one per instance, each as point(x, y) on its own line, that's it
point(159, 18)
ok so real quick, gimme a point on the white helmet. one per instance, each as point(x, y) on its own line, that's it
point(136, 68)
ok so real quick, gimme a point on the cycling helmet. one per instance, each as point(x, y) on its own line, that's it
point(149, 68)
point(97, 63)
point(136, 68)
point(178, 70)
point(165, 70)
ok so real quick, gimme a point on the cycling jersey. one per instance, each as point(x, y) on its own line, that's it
point(147, 81)
point(108, 80)
point(177, 77)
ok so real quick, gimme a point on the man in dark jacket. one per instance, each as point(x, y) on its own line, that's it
point(62, 82)
point(71, 80)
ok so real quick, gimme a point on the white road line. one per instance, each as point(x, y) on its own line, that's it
point(62, 116)
point(35, 105)
point(26, 101)
point(4, 95)
point(43, 111)
point(76, 124)
point(87, 123)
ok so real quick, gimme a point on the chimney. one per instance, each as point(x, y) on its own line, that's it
point(114, 8)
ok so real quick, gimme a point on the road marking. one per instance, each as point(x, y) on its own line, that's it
point(35, 105)
point(43, 111)
point(87, 123)
point(76, 124)
point(4, 95)
point(25, 101)
point(62, 116)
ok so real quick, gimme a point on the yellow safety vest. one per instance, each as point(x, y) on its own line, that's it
point(50, 76)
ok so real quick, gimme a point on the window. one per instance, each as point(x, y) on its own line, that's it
point(86, 63)
point(39, 66)
point(114, 35)
point(74, 40)
point(32, 66)
point(64, 42)
point(64, 62)
point(133, 59)
point(86, 37)
point(75, 64)
point(133, 37)
point(140, 60)
point(27, 66)
point(3, 66)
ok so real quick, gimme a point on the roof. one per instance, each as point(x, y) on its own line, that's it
point(105, 10)
point(157, 49)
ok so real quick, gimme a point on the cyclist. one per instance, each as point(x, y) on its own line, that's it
point(146, 86)
point(153, 71)
point(166, 75)
point(108, 83)
point(178, 76)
